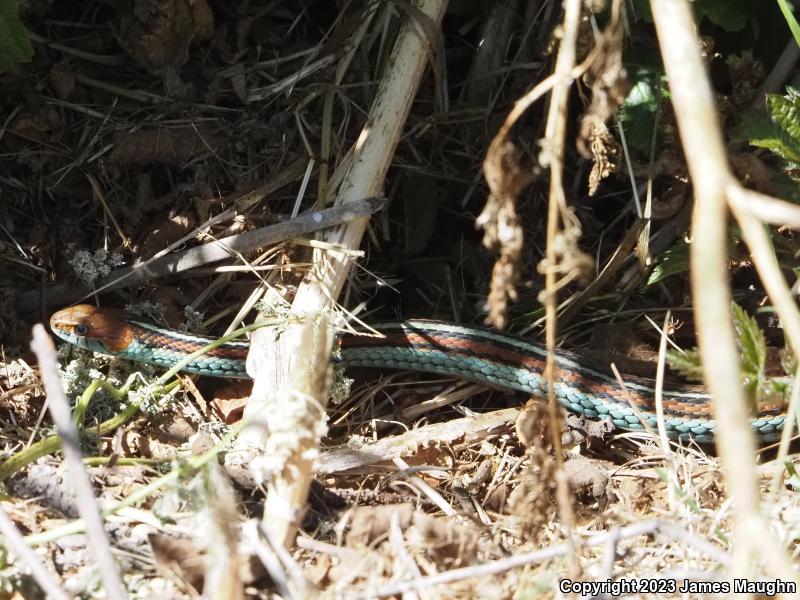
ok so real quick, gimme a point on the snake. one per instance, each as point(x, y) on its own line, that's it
point(475, 354)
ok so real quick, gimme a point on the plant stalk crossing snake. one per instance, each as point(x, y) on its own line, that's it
point(470, 353)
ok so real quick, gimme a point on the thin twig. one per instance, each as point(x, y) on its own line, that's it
point(538, 556)
point(250, 240)
point(217, 250)
point(766, 208)
point(659, 389)
point(264, 93)
point(467, 430)
point(109, 60)
point(638, 413)
point(779, 74)
point(14, 541)
point(553, 157)
point(258, 539)
point(425, 488)
point(241, 200)
point(42, 346)
point(100, 196)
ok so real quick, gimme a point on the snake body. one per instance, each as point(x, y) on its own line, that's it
point(471, 353)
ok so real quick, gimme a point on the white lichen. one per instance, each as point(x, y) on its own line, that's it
point(91, 266)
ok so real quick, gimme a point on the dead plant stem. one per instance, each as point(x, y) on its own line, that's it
point(554, 153)
point(703, 146)
point(269, 360)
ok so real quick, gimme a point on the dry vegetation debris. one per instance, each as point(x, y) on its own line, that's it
point(142, 130)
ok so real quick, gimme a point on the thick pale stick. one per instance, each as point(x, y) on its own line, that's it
point(269, 359)
point(696, 114)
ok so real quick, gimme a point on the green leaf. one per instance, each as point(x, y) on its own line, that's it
point(673, 261)
point(772, 391)
point(761, 389)
point(784, 111)
point(779, 147)
point(794, 478)
point(786, 188)
point(753, 124)
point(752, 345)
point(730, 15)
point(786, 9)
point(687, 363)
point(641, 10)
point(15, 47)
point(779, 131)
point(638, 114)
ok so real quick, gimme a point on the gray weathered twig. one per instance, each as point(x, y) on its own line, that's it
point(15, 542)
point(212, 252)
point(529, 558)
point(42, 346)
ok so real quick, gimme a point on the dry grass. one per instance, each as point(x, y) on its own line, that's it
point(180, 125)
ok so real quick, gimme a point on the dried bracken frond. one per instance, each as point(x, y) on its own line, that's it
point(746, 74)
point(607, 79)
point(570, 262)
point(502, 231)
point(604, 150)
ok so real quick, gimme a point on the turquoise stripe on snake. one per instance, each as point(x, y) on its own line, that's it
point(471, 353)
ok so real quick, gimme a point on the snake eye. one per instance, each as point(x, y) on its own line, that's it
point(81, 329)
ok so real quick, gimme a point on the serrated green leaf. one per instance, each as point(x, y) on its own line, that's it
point(785, 111)
point(673, 261)
point(779, 147)
point(15, 47)
point(753, 350)
point(752, 345)
point(687, 363)
point(768, 131)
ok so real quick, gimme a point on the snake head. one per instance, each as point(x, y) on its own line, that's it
point(86, 326)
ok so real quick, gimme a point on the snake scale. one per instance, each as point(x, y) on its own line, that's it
point(470, 353)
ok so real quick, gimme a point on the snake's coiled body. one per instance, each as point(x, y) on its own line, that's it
point(470, 353)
